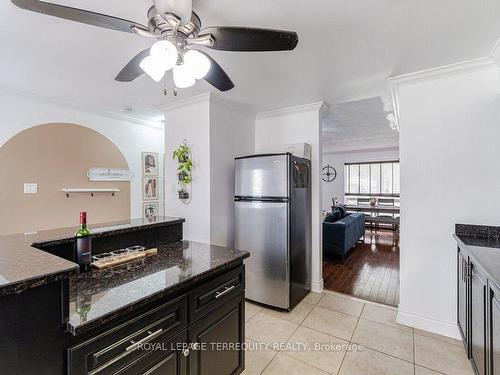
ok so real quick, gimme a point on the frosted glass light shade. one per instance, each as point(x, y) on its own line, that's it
point(197, 63)
point(153, 67)
point(183, 76)
point(166, 53)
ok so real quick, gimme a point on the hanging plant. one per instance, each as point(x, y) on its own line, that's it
point(183, 156)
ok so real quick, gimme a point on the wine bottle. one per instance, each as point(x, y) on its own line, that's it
point(83, 244)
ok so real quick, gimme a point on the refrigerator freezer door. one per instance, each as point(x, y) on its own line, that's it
point(262, 230)
point(262, 176)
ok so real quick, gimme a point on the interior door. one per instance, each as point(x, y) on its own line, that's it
point(261, 176)
point(261, 228)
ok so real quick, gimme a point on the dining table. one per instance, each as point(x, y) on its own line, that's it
point(377, 209)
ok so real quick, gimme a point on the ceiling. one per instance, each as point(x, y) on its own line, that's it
point(358, 125)
point(346, 50)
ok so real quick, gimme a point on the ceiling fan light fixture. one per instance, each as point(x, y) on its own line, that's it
point(197, 63)
point(153, 67)
point(183, 77)
point(165, 52)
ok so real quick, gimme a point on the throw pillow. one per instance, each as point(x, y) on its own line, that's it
point(334, 216)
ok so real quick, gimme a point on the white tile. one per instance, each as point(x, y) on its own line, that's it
point(370, 362)
point(449, 340)
point(285, 365)
point(425, 371)
point(251, 310)
point(341, 304)
point(321, 350)
point(297, 315)
point(313, 298)
point(441, 356)
point(257, 357)
point(392, 341)
point(331, 322)
point(265, 328)
point(383, 315)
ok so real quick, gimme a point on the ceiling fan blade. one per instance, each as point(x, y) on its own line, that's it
point(247, 39)
point(78, 15)
point(133, 70)
point(216, 76)
point(181, 8)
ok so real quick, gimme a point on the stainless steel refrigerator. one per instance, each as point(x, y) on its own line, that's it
point(273, 223)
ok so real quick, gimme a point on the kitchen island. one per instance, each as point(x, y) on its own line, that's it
point(162, 314)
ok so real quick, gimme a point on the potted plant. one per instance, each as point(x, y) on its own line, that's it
point(183, 194)
point(183, 156)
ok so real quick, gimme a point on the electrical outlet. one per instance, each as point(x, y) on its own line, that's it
point(30, 188)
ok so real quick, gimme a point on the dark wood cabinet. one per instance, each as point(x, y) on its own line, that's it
point(494, 329)
point(217, 341)
point(200, 332)
point(462, 286)
point(165, 361)
point(478, 319)
point(478, 314)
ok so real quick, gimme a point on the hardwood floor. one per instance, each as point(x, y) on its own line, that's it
point(371, 272)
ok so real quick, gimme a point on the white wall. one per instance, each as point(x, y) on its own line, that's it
point(336, 188)
point(19, 112)
point(189, 120)
point(449, 157)
point(217, 131)
point(297, 125)
point(232, 134)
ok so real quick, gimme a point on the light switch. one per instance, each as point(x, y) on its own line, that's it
point(30, 188)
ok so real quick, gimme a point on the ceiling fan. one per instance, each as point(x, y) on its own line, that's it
point(177, 30)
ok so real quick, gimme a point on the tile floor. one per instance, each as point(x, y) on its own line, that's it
point(284, 343)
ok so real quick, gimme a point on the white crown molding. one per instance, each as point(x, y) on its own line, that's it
point(492, 61)
point(484, 63)
point(318, 106)
point(207, 97)
point(232, 105)
point(93, 111)
point(185, 102)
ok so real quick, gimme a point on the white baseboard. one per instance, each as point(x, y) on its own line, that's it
point(315, 285)
point(431, 325)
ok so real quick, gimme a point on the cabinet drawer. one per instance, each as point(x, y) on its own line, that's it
point(165, 359)
point(118, 347)
point(215, 293)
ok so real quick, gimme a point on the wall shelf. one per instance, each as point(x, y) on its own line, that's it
point(90, 191)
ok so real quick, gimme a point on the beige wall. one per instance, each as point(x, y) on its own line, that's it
point(56, 156)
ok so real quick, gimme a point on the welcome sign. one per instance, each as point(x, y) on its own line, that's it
point(109, 174)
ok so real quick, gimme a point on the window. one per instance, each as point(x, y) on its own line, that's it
point(372, 179)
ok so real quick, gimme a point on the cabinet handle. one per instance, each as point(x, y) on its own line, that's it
point(225, 291)
point(185, 352)
point(135, 345)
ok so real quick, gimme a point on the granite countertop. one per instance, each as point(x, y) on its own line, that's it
point(23, 266)
point(101, 295)
point(483, 245)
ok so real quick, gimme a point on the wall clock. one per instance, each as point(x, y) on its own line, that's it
point(329, 173)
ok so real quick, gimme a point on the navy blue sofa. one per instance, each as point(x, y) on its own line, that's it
point(340, 234)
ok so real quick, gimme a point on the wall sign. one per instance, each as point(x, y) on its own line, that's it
point(109, 174)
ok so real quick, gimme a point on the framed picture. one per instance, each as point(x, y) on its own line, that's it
point(149, 188)
point(150, 211)
point(150, 164)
